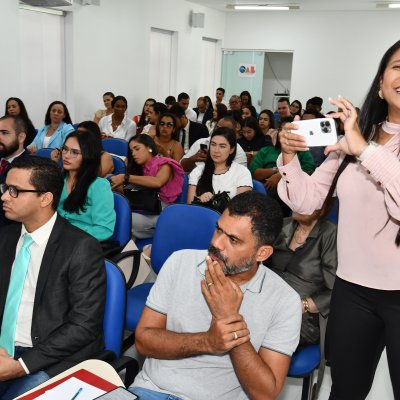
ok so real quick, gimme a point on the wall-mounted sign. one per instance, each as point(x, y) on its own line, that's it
point(247, 70)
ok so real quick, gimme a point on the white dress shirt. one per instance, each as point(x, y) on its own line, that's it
point(125, 131)
point(191, 114)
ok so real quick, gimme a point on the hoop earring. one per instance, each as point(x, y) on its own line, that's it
point(380, 94)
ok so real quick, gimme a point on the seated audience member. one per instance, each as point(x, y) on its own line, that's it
point(118, 125)
point(144, 118)
point(12, 139)
point(146, 168)
point(16, 108)
point(197, 153)
point(220, 110)
point(296, 108)
point(54, 320)
point(235, 103)
point(167, 137)
point(106, 161)
point(237, 116)
point(249, 111)
point(170, 101)
point(155, 111)
point(219, 97)
point(252, 138)
point(315, 103)
point(203, 112)
point(183, 101)
point(305, 257)
point(318, 151)
point(86, 200)
point(57, 126)
point(223, 323)
point(245, 98)
point(266, 122)
point(283, 110)
point(189, 131)
point(264, 169)
point(219, 173)
point(209, 103)
point(107, 100)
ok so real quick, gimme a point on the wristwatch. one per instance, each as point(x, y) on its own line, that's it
point(126, 179)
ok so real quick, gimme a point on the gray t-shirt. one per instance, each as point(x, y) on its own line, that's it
point(271, 308)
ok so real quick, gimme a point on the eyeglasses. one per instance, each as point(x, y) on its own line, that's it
point(14, 192)
point(73, 152)
point(169, 124)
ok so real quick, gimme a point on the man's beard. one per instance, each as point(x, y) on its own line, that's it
point(232, 269)
point(7, 151)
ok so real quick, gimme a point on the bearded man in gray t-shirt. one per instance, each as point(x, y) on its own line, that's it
point(221, 325)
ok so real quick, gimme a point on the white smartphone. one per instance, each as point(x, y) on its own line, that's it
point(318, 131)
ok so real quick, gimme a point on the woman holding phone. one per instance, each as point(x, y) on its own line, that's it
point(363, 168)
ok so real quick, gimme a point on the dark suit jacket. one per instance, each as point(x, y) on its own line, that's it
point(197, 131)
point(207, 115)
point(3, 219)
point(67, 320)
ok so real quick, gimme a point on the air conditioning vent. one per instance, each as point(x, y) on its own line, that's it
point(48, 3)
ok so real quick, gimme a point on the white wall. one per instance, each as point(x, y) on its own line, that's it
point(333, 53)
point(110, 50)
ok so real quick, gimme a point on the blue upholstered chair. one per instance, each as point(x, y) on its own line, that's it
point(115, 146)
point(180, 226)
point(113, 324)
point(303, 364)
point(182, 198)
point(119, 165)
point(259, 187)
point(44, 152)
point(122, 231)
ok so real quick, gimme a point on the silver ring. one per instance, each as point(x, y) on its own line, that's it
point(235, 336)
point(210, 284)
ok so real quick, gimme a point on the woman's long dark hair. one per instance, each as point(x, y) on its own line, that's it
point(142, 120)
point(252, 123)
point(205, 182)
point(175, 132)
point(91, 152)
point(132, 167)
point(66, 119)
point(30, 134)
point(373, 112)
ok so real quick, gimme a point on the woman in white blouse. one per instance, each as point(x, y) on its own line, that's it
point(118, 125)
point(219, 173)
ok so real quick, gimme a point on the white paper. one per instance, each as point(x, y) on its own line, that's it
point(67, 390)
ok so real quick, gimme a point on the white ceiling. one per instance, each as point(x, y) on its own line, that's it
point(305, 5)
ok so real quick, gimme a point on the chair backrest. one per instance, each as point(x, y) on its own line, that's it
point(114, 310)
point(182, 198)
point(115, 146)
point(75, 126)
point(182, 226)
point(123, 229)
point(44, 152)
point(333, 215)
point(119, 165)
point(259, 187)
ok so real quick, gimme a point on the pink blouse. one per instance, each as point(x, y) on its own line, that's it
point(369, 211)
point(173, 188)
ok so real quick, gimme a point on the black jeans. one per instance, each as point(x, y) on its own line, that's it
point(362, 321)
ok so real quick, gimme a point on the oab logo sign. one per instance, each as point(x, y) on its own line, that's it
point(247, 70)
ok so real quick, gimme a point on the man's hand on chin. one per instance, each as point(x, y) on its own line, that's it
point(9, 368)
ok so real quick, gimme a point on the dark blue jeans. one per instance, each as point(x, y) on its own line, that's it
point(147, 394)
point(15, 387)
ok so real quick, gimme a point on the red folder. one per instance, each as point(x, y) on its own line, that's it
point(81, 374)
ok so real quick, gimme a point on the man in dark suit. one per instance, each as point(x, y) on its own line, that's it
point(189, 131)
point(12, 139)
point(204, 114)
point(58, 318)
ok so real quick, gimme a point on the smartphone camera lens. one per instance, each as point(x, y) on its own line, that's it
point(325, 126)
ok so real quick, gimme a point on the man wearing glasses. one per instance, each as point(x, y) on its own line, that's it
point(12, 139)
point(235, 103)
point(52, 286)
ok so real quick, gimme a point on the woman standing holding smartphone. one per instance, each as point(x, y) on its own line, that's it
point(364, 170)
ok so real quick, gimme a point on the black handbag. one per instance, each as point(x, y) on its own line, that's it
point(143, 199)
point(218, 202)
